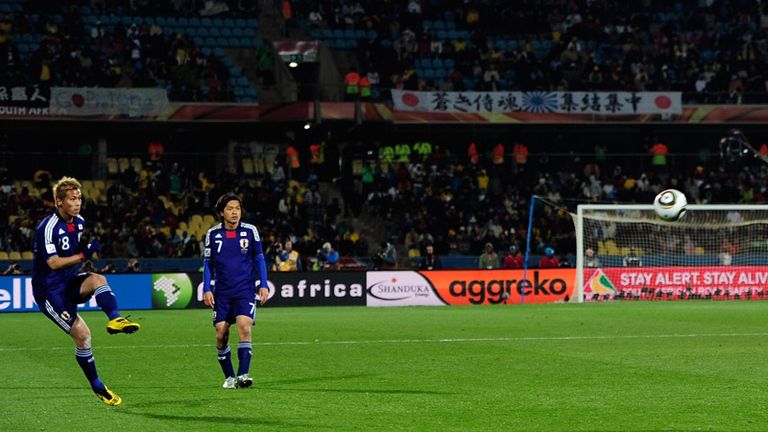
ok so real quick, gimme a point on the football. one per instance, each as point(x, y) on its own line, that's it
point(670, 205)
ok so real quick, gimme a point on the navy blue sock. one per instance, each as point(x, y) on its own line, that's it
point(87, 363)
point(106, 300)
point(225, 360)
point(244, 354)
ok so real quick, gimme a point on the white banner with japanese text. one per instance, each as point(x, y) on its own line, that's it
point(24, 101)
point(131, 102)
point(596, 103)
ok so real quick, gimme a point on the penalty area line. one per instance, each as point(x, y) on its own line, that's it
point(414, 341)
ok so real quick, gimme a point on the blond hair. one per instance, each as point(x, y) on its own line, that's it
point(65, 185)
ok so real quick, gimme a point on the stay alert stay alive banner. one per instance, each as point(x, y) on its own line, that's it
point(720, 282)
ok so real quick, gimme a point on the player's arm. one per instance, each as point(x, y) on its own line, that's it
point(207, 262)
point(261, 265)
point(56, 262)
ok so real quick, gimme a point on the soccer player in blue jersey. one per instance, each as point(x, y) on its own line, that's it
point(232, 257)
point(58, 286)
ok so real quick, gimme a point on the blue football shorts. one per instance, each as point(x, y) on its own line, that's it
point(59, 303)
point(227, 307)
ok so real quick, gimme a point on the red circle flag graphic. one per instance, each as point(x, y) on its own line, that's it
point(410, 99)
point(78, 100)
point(663, 102)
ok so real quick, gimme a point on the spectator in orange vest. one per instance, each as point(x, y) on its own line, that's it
point(316, 155)
point(472, 153)
point(156, 151)
point(287, 12)
point(292, 157)
point(521, 153)
point(352, 84)
point(498, 154)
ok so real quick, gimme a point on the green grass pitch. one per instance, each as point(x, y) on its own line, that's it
point(590, 367)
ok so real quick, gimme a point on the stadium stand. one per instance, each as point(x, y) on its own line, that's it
point(73, 44)
point(712, 51)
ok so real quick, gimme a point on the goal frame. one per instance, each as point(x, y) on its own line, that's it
point(579, 226)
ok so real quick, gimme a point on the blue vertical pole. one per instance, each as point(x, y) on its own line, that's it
point(527, 249)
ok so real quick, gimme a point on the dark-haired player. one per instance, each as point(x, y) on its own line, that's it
point(58, 286)
point(232, 257)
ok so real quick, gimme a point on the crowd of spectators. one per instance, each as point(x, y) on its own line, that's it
point(143, 211)
point(464, 202)
point(458, 202)
point(714, 51)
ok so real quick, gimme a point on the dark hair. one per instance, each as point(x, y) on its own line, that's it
point(223, 200)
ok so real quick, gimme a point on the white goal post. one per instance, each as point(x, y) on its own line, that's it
point(625, 252)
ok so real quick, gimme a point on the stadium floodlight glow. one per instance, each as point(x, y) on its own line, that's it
point(307, 125)
point(293, 64)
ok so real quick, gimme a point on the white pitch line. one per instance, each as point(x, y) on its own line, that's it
point(415, 341)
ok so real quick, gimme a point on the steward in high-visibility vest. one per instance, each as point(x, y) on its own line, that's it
point(386, 154)
point(423, 149)
point(403, 152)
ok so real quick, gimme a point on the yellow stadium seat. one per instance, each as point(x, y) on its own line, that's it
point(3, 256)
point(248, 167)
point(14, 256)
point(209, 221)
point(196, 219)
point(699, 250)
point(27, 255)
point(136, 164)
point(123, 164)
point(112, 168)
point(86, 184)
point(183, 226)
point(100, 185)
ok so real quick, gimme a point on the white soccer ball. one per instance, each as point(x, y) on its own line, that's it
point(670, 205)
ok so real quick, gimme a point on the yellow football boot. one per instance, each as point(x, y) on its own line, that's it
point(108, 396)
point(122, 325)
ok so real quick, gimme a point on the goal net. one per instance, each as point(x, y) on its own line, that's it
point(624, 252)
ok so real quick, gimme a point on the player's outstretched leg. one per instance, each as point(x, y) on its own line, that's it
point(105, 298)
point(122, 325)
point(108, 396)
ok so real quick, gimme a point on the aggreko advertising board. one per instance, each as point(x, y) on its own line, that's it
point(409, 288)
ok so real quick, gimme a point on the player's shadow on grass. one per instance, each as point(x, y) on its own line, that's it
point(214, 421)
point(279, 385)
